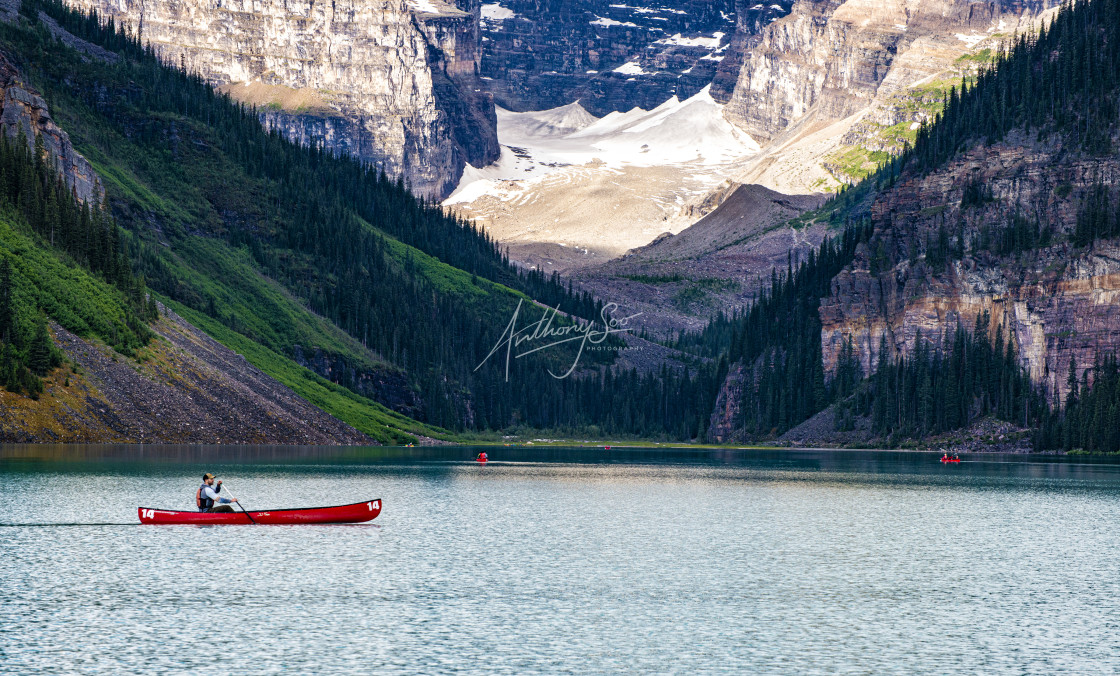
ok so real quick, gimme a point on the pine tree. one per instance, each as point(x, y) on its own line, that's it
point(1071, 382)
point(7, 309)
point(40, 354)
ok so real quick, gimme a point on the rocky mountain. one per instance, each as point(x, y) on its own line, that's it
point(1021, 227)
point(391, 82)
point(1056, 302)
point(610, 56)
point(24, 114)
point(835, 87)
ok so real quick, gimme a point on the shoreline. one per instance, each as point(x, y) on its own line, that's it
point(248, 453)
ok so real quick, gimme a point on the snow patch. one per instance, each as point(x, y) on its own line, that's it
point(970, 40)
point(603, 21)
point(709, 43)
point(496, 12)
point(631, 68)
point(423, 6)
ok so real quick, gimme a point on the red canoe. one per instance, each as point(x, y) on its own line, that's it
point(355, 513)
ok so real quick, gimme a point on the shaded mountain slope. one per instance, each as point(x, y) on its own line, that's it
point(116, 378)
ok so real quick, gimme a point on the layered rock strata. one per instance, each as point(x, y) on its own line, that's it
point(1056, 303)
point(391, 83)
point(837, 56)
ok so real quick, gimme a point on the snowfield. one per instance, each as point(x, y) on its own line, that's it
point(538, 143)
point(600, 186)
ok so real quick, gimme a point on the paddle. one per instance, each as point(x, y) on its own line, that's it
point(243, 510)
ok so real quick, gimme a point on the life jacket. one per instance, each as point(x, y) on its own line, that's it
point(202, 503)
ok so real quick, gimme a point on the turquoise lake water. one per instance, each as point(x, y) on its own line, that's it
point(563, 561)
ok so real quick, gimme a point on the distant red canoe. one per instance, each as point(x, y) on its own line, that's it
point(358, 512)
point(950, 459)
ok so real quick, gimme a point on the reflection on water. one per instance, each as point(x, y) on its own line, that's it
point(563, 560)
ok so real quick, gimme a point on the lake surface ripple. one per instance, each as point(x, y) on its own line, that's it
point(563, 561)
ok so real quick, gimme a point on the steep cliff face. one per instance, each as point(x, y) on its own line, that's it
point(609, 56)
point(836, 87)
point(751, 19)
point(24, 112)
point(1056, 301)
point(391, 83)
point(837, 56)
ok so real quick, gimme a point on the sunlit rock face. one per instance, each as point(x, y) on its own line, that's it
point(390, 82)
point(836, 56)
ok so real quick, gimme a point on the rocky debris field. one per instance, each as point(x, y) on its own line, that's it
point(183, 388)
point(985, 435)
point(681, 281)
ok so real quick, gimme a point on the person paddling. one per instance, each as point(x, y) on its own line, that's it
point(481, 457)
point(207, 498)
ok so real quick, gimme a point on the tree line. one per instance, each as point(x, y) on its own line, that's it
point(944, 384)
point(1090, 419)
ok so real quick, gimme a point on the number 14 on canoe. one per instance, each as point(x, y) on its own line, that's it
point(359, 512)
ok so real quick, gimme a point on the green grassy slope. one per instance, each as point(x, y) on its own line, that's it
point(367, 416)
point(43, 279)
